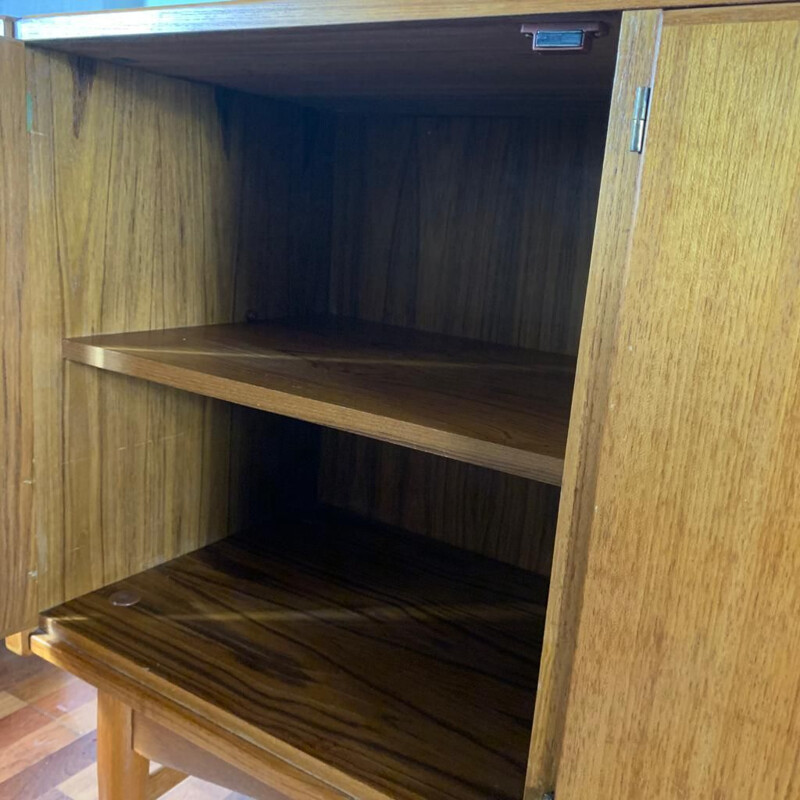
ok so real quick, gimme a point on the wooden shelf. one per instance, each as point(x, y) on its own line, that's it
point(498, 407)
point(388, 665)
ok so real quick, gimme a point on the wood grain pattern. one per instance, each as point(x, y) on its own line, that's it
point(488, 405)
point(71, 772)
point(249, 15)
point(685, 680)
point(150, 206)
point(750, 13)
point(19, 643)
point(413, 677)
point(163, 780)
point(485, 511)
point(99, 667)
point(616, 214)
point(470, 227)
point(159, 744)
point(17, 547)
point(478, 65)
point(121, 771)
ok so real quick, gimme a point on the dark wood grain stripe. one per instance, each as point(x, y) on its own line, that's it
point(402, 662)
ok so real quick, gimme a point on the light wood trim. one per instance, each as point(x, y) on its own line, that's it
point(219, 17)
point(20, 643)
point(7, 27)
point(164, 779)
point(17, 546)
point(121, 771)
point(235, 750)
point(748, 13)
point(639, 38)
point(685, 681)
point(159, 744)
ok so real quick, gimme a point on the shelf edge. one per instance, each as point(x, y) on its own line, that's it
point(522, 463)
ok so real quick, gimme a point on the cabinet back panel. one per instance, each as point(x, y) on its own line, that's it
point(501, 516)
point(478, 227)
point(154, 203)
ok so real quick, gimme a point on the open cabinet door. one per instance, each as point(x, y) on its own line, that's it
point(685, 678)
point(17, 556)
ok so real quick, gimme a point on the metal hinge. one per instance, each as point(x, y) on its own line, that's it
point(640, 108)
point(549, 796)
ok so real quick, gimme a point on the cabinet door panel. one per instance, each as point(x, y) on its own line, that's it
point(686, 672)
point(17, 556)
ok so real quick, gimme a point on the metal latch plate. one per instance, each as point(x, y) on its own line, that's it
point(567, 37)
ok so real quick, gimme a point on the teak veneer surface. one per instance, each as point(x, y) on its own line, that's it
point(476, 64)
point(152, 203)
point(17, 549)
point(388, 665)
point(500, 407)
point(269, 14)
point(616, 213)
point(685, 679)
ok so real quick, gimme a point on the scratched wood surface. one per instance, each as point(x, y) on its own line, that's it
point(151, 205)
point(385, 665)
point(685, 679)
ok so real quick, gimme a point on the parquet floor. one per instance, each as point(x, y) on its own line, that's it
point(48, 737)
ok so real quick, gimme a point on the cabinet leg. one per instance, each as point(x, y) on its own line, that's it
point(121, 771)
point(20, 643)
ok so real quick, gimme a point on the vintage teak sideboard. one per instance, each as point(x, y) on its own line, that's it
point(401, 399)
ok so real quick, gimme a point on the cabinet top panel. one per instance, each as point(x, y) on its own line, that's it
point(273, 14)
point(408, 57)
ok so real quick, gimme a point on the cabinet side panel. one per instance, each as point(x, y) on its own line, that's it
point(17, 547)
point(685, 679)
point(151, 207)
point(129, 230)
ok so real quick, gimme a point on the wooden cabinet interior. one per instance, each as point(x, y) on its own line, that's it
point(387, 666)
point(440, 179)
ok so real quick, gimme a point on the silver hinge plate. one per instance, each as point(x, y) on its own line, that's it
point(641, 107)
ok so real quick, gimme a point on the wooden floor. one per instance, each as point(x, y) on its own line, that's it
point(48, 737)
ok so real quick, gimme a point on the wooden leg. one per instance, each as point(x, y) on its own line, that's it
point(121, 771)
point(20, 643)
